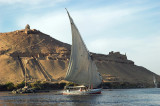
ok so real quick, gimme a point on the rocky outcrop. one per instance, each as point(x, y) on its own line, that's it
point(47, 60)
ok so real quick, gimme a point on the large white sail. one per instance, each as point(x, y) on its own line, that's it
point(82, 69)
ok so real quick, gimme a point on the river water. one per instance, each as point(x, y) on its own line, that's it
point(114, 97)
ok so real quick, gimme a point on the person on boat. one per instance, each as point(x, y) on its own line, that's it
point(80, 89)
point(68, 90)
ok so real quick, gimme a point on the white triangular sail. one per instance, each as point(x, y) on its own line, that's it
point(82, 69)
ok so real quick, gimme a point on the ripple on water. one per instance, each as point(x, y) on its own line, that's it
point(117, 97)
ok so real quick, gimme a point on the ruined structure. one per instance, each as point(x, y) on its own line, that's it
point(27, 29)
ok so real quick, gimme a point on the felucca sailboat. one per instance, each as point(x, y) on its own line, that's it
point(82, 69)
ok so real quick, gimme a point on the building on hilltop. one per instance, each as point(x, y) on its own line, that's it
point(118, 55)
point(27, 29)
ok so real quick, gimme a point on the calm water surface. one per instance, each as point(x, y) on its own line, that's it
point(118, 97)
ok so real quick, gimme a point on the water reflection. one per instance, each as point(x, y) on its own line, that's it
point(83, 100)
point(114, 97)
point(43, 99)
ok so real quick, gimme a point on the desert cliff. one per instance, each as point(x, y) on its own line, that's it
point(46, 59)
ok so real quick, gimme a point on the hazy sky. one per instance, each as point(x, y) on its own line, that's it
point(128, 26)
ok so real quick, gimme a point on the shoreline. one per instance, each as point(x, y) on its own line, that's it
point(39, 86)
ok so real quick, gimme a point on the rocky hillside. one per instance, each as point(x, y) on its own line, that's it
point(46, 59)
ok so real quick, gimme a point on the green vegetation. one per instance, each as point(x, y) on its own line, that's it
point(47, 86)
point(125, 85)
point(71, 84)
point(39, 85)
point(8, 86)
point(21, 85)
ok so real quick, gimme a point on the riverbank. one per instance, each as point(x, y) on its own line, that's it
point(38, 85)
point(126, 85)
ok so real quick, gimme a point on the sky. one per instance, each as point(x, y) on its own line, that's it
point(127, 26)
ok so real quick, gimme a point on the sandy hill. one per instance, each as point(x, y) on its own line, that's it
point(46, 59)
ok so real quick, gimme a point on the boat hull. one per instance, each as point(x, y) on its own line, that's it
point(84, 92)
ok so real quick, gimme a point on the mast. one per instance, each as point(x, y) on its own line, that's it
point(26, 61)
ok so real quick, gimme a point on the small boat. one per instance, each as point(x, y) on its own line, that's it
point(82, 69)
point(80, 90)
point(25, 89)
